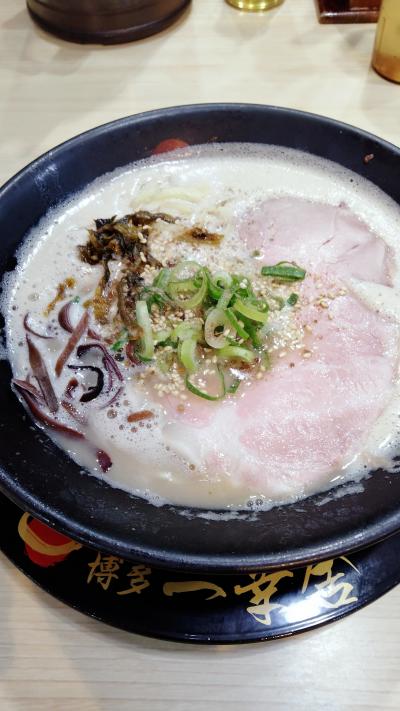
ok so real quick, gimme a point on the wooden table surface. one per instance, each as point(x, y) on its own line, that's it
point(51, 657)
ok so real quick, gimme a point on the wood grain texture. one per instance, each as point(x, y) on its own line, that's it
point(51, 657)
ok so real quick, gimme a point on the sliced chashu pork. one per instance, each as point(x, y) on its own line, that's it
point(292, 432)
point(319, 237)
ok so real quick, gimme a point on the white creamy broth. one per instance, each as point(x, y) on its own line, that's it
point(308, 423)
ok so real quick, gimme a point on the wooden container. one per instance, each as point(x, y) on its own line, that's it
point(105, 21)
point(348, 10)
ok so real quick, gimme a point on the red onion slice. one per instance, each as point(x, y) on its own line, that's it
point(29, 388)
point(93, 334)
point(95, 390)
point(32, 396)
point(40, 372)
point(108, 361)
point(113, 399)
point(71, 409)
point(31, 330)
point(75, 337)
point(131, 354)
point(42, 417)
point(104, 460)
point(70, 389)
point(64, 317)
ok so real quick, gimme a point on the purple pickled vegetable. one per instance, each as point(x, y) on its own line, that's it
point(93, 334)
point(103, 460)
point(31, 330)
point(29, 388)
point(40, 372)
point(131, 354)
point(64, 317)
point(38, 413)
point(113, 399)
point(71, 387)
point(108, 361)
point(73, 340)
point(75, 414)
point(95, 390)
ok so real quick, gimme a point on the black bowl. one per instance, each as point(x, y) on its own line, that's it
point(40, 478)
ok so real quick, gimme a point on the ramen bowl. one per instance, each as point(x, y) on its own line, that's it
point(41, 479)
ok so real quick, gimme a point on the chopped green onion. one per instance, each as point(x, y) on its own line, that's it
point(256, 335)
point(143, 319)
point(76, 299)
point(242, 287)
point(193, 301)
point(160, 337)
point(122, 341)
point(180, 287)
point(223, 279)
point(187, 355)
point(229, 317)
point(165, 361)
point(202, 393)
point(143, 358)
point(214, 291)
point(237, 352)
point(266, 360)
point(216, 321)
point(154, 295)
point(187, 329)
point(285, 271)
point(250, 311)
point(236, 324)
point(224, 299)
point(162, 278)
point(293, 299)
point(218, 283)
point(233, 388)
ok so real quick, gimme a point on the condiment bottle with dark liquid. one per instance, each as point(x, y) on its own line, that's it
point(386, 57)
point(105, 21)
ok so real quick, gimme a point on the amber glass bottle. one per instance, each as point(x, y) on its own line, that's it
point(386, 58)
point(105, 21)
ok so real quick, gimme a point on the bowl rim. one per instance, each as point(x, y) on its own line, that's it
point(358, 538)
